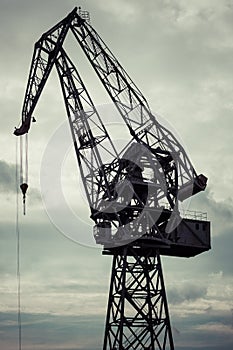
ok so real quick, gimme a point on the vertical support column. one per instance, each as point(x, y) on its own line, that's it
point(137, 313)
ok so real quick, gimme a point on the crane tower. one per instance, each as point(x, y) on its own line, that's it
point(133, 193)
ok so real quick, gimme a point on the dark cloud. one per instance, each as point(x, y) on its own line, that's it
point(219, 258)
point(220, 214)
point(203, 332)
point(8, 185)
point(216, 209)
point(50, 332)
point(186, 292)
point(7, 177)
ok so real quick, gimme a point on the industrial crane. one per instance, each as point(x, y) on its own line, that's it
point(133, 193)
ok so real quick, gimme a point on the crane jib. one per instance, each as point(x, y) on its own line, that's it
point(138, 186)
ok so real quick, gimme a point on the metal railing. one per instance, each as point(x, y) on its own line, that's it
point(189, 214)
point(194, 215)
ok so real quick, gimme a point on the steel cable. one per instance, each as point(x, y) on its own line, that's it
point(18, 245)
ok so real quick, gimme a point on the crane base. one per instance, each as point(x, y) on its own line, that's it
point(137, 314)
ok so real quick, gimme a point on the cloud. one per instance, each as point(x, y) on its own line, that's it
point(9, 189)
point(46, 332)
point(186, 292)
point(7, 177)
point(202, 331)
point(57, 275)
point(216, 327)
point(179, 54)
point(220, 214)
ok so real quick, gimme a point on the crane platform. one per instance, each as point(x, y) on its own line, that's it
point(190, 238)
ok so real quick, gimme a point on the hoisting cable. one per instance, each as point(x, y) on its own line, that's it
point(18, 246)
point(24, 168)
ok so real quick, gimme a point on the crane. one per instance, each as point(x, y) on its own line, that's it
point(133, 193)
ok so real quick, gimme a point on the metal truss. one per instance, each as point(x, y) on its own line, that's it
point(43, 59)
point(133, 193)
point(91, 140)
point(137, 314)
point(135, 110)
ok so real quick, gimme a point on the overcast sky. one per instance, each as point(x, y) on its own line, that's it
point(179, 53)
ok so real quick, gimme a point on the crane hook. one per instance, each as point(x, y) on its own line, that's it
point(24, 188)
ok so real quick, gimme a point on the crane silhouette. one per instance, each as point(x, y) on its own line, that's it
point(133, 193)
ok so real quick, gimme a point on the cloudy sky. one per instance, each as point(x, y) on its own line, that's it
point(179, 53)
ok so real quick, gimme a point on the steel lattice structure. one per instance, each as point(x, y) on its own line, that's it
point(137, 315)
point(136, 215)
